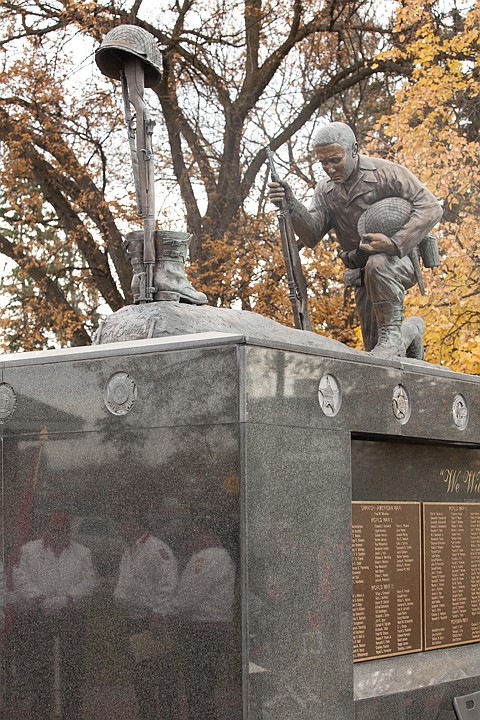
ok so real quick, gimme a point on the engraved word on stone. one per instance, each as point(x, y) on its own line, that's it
point(329, 395)
point(120, 393)
point(456, 480)
point(401, 406)
point(460, 412)
point(8, 401)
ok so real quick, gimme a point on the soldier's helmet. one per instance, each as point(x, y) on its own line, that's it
point(123, 41)
point(386, 216)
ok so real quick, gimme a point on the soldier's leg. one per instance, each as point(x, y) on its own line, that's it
point(368, 321)
point(387, 278)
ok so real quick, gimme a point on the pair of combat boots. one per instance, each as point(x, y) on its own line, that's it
point(169, 278)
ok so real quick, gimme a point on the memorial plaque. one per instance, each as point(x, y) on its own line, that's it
point(449, 473)
point(452, 573)
point(387, 598)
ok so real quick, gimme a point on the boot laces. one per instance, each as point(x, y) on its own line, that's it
point(384, 335)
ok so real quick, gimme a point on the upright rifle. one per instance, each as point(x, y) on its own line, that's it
point(297, 286)
point(141, 149)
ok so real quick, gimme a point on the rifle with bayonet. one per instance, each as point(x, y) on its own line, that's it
point(297, 286)
point(141, 149)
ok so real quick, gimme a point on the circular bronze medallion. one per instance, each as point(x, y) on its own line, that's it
point(401, 406)
point(8, 401)
point(120, 393)
point(329, 395)
point(460, 412)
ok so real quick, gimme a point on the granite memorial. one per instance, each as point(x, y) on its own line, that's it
point(177, 505)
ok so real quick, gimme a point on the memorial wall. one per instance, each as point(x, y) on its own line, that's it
point(416, 558)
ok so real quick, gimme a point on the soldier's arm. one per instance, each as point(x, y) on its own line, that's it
point(427, 211)
point(310, 224)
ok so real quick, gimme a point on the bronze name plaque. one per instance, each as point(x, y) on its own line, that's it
point(452, 573)
point(387, 600)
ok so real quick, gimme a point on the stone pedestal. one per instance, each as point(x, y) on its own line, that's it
point(252, 439)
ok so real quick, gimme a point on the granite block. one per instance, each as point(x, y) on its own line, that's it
point(172, 388)
point(283, 387)
point(432, 398)
point(299, 579)
point(430, 703)
point(184, 482)
point(231, 432)
point(389, 470)
point(395, 675)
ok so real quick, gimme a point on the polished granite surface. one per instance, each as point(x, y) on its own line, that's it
point(230, 433)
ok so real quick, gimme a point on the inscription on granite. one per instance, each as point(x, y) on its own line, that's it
point(387, 601)
point(384, 471)
point(452, 574)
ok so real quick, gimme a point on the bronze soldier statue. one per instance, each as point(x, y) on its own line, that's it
point(382, 267)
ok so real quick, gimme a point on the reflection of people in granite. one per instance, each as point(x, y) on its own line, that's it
point(53, 581)
point(2, 637)
point(2, 597)
point(145, 588)
point(168, 519)
point(3, 602)
point(204, 600)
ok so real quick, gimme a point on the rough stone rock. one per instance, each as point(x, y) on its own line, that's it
point(166, 319)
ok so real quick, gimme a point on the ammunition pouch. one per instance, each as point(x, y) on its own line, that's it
point(353, 278)
point(428, 249)
point(353, 259)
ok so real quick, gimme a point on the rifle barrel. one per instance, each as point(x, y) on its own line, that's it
point(297, 287)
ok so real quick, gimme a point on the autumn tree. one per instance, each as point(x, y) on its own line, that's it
point(236, 75)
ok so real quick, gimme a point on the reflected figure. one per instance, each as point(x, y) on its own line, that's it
point(146, 585)
point(2, 633)
point(53, 582)
point(3, 595)
point(100, 534)
point(204, 600)
point(168, 519)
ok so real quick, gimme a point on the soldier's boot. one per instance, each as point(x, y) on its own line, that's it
point(412, 333)
point(133, 244)
point(169, 277)
point(390, 342)
point(169, 274)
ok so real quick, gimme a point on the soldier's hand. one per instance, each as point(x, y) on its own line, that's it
point(372, 243)
point(279, 192)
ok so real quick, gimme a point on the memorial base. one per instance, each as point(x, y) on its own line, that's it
point(264, 445)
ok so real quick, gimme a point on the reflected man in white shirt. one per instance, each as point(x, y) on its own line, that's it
point(146, 583)
point(205, 602)
point(54, 581)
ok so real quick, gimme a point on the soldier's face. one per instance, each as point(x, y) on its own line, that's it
point(337, 161)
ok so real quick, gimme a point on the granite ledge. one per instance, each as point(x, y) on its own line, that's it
point(414, 671)
point(215, 339)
